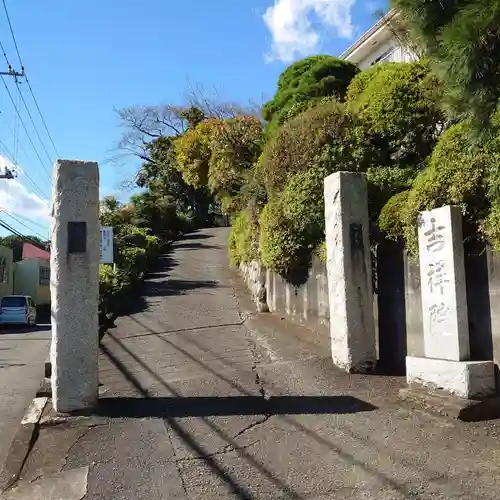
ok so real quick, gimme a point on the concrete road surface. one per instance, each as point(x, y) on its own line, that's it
point(22, 359)
point(203, 401)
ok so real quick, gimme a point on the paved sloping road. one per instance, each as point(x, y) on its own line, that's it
point(203, 401)
point(22, 359)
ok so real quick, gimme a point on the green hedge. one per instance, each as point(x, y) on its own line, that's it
point(316, 135)
point(456, 175)
point(243, 240)
point(292, 226)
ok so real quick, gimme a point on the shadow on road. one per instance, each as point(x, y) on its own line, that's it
point(196, 235)
point(230, 406)
point(23, 329)
point(196, 246)
point(176, 287)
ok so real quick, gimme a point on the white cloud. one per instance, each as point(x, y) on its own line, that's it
point(16, 198)
point(291, 25)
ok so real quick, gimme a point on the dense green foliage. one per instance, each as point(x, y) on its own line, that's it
point(316, 136)
point(292, 225)
point(396, 107)
point(462, 40)
point(243, 243)
point(456, 174)
point(303, 83)
point(218, 153)
point(388, 122)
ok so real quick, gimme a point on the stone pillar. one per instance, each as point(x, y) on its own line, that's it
point(74, 285)
point(443, 289)
point(349, 268)
point(444, 311)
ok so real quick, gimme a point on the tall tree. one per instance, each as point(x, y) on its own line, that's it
point(462, 40)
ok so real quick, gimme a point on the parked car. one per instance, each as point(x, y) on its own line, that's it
point(17, 310)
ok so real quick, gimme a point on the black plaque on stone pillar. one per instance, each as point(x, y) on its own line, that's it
point(356, 235)
point(77, 237)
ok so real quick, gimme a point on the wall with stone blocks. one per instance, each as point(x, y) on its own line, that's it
point(482, 268)
point(306, 305)
point(397, 302)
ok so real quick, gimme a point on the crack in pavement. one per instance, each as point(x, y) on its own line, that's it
point(227, 449)
point(230, 447)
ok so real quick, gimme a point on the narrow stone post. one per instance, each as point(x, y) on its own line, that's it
point(443, 289)
point(74, 285)
point(446, 363)
point(352, 328)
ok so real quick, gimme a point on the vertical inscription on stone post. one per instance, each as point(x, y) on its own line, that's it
point(443, 284)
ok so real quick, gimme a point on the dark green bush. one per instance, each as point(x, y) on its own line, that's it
point(319, 134)
point(292, 226)
point(390, 218)
point(398, 114)
point(243, 240)
point(456, 175)
point(304, 81)
point(461, 39)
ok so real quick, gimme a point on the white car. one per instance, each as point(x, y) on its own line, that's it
point(17, 310)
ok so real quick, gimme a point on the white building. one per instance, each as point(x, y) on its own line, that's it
point(378, 44)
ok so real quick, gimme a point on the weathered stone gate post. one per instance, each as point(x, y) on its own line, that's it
point(446, 364)
point(74, 285)
point(352, 326)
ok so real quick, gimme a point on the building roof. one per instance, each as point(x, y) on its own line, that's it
point(33, 252)
point(382, 22)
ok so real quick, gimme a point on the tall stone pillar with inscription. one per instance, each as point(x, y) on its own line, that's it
point(352, 327)
point(74, 285)
point(447, 362)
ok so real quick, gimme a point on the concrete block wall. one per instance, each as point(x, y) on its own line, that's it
point(397, 302)
point(306, 305)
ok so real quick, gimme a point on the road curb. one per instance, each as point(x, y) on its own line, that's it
point(23, 442)
point(452, 407)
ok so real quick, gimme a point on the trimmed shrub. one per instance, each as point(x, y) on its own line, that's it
point(397, 107)
point(384, 183)
point(390, 220)
point(243, 240)
point(318, 135)
point(307, 80)
point(292, 226)
point(456, 175)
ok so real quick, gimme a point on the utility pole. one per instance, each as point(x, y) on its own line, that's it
point(8, 173)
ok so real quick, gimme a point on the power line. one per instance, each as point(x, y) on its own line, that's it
point(32, 182)
point(12, 33)
point(32, 121)
point(15, 232)
point(41, 116)
point(26, 76)
point(24, 125)
point(29, 221)
point(15, 135)
point(5, 55)
point(35, 233)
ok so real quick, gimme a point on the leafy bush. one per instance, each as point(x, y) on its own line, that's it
point(305, 81)
point(243, 240)
point(292, 226)
point(192, 151)
point(318, 135)
point(397, 108)
point(384, 183)
point(390, 218)
point(217, 153)
point(456, 175)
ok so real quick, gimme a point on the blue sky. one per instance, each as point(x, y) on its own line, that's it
point(84, 59)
